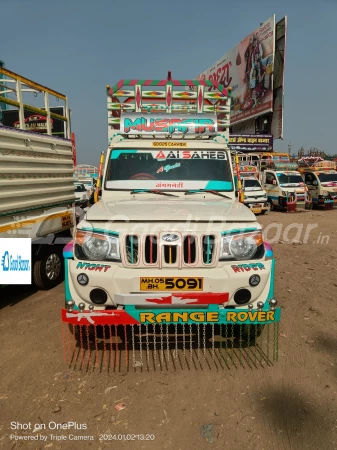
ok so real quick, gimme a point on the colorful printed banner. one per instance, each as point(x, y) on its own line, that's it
point(138, 123)
point(278, 78)
point(251, 142)
point(248, 69)
point(36, 122)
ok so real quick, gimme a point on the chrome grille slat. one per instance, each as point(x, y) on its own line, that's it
point(208, 247)
point(132, 249)
point(151, 249)
point(189, 249)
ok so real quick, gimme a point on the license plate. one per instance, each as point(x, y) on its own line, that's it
point(171, 284)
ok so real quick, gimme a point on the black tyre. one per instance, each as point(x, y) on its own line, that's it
point(48, 270)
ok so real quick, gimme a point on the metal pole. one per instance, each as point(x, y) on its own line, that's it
point(237, 164)
point(20, 100)
point(98, 185)
point(46, 107)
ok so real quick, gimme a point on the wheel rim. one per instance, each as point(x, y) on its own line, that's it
point(53, 267)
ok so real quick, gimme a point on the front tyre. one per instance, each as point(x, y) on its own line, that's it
point(48, 269)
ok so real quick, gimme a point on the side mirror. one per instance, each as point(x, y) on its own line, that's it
point(236, 194)
point(274, 182)
point(315, 183)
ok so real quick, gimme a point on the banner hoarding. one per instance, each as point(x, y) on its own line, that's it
point(279, 70)
point(35, 122)
point(248, 69)
point(251, 142)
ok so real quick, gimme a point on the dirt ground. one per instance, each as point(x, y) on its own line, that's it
point(290, 405)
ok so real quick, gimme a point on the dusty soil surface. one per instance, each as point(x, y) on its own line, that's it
point(290, 405)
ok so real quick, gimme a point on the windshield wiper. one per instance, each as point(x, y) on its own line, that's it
point(196, 191)
point(140, 191)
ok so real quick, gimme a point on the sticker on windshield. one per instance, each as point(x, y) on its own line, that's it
point(169, 144)
point(168, 167)
point(175, 185)
point(190, 154)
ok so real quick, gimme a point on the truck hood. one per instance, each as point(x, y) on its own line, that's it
point(256, 193)
point(329, 184)
point(147, 210)
point(298, 189)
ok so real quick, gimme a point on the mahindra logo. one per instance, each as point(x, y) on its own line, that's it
point(170, 237)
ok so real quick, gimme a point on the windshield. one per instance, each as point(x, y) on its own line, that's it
point(169, 169)
point(80, 188)
point(285, 178)
point(326, 177)
point(252, 184)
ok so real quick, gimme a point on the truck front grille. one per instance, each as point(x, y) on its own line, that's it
point(147, 251)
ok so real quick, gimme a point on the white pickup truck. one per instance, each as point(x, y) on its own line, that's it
point(320, 178)
point(282, 186)
point(169, 239)
point(255, 197)
point(36, 178)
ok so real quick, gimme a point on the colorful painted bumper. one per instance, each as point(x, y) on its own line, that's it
point(265, 314)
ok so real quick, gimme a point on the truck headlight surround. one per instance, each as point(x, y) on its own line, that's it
point(97, 246)
point(241, 247)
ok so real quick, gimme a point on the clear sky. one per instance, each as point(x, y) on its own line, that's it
point(78, 46)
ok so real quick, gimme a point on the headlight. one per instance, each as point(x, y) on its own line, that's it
point(325, 193)
point(240, 246)
point(284, 194)
point(97, 246)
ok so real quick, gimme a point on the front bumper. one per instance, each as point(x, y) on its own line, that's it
point(257, 207)
point(122, 285)
point(212, 315)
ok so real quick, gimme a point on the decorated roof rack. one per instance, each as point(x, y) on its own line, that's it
point(167, 97)
point(316, 163)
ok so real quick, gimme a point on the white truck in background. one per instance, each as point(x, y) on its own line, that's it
point(36, 178)
point(255, 197)
point(320, 178)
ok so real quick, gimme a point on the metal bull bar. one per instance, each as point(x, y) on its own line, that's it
point(177, 339)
